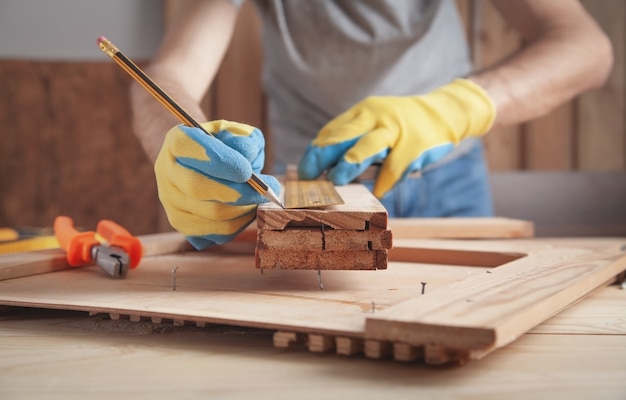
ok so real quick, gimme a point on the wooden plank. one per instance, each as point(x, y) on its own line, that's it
point(303, 238)
point(45, 354)
point(596, 315)
point(213, 288)
point(361, 211)
point(461, 228)
point(285, 340)
point(452, 257)
point(376, 349)
point(348, 346)
point(319, 260)
point(349, 236)
point(15, 265)
point(497, 308)
point(493, 40)
point(407, 353)
point(320, 343)
point(37, 262)
point(315, 239)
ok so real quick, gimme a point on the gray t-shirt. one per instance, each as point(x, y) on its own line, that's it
point(323, 56)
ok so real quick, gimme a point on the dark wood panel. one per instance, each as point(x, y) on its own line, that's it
point(493, 39)
point(68, 148)
point(601, 113)
point(549, 140)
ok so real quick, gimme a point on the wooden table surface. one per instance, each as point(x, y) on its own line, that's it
point(578, 354)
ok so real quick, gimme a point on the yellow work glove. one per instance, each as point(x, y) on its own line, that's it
point(405, 133)
point(202, 180)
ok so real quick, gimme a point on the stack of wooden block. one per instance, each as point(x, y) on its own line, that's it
point(350, 236)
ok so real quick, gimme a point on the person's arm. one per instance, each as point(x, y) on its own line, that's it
point(184, 66)
point(565, 54)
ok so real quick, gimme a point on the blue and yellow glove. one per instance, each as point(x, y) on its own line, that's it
point(202, 180)
point(405, 133)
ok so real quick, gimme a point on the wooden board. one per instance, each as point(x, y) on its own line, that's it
point(44, 261)
point(315, 239)
point(349, 236)
point(358, 312)
point(69, 148)
point(15, 265)
point(490, 306)
point(322, 260)
point(461, 228)
point(361, 211)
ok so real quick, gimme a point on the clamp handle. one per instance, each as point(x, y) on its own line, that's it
point(77, 245)
point(118, 236)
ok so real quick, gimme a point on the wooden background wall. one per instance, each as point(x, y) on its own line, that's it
point(67, 145)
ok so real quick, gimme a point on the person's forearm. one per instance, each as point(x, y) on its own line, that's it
point(183, 67)
point(561, 60)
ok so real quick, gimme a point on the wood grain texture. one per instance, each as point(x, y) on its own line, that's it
point(461, 228)
point(38, 262)
point(361, 211)
point(314, 239)
point(68, 148)
point(592, 316)
point(321, 260)
point(212, 288)
point(349, 236)
point(15, 265)
point(46, 352)
point(497, 307)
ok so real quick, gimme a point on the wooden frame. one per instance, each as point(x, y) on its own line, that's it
point(465, 312)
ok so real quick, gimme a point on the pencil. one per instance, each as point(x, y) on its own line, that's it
point(138, 75)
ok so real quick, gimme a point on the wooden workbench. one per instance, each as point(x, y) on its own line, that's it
point(578, 354)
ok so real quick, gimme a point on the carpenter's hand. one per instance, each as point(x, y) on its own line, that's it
point(405, 133)
point(202, 180)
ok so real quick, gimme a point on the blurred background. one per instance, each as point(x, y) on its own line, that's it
point(67, 145)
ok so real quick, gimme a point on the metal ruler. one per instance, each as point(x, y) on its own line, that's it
point(309, 194)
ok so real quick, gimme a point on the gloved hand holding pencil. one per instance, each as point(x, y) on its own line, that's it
point(202, 180)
